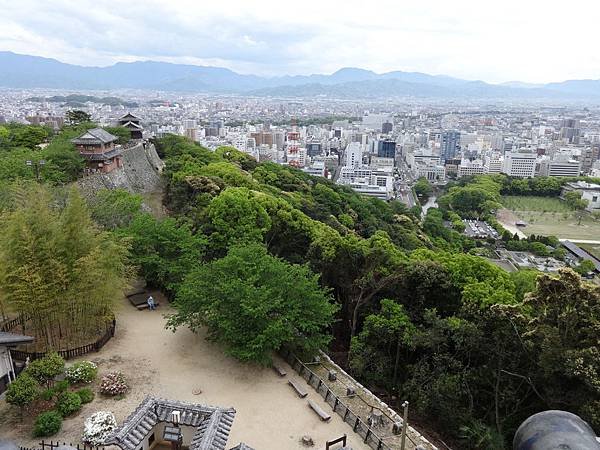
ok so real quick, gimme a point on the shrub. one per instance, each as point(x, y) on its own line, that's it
point(47, 424)
point(60, 387)
point(82, 372)
point(86, 395)
point(47, 394)
point(98, 427)
point(22, 391)
point(113, 383)
point(44, 370)
point(68, 403)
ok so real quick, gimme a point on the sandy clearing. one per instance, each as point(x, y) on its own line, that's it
point(171, 365)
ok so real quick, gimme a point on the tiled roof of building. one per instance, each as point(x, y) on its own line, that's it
point(131, 124)
point(242, 446)
point(212, 424)
point(94, 136)
point(129, 116)
point(14, 339)
point(581, 253)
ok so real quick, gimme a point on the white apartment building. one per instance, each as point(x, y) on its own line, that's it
point(432, 172)
point(589, 192)
point(353, 155)
point(570, 168)
point(520, 164)
point(316, 169)
point(468, 167)
point(493, 163)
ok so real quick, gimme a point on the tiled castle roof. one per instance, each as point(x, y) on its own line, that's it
point(212, 424)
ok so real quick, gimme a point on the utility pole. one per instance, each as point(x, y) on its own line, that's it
point(404, 425)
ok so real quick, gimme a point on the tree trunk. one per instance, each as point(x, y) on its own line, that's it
point(396, 362)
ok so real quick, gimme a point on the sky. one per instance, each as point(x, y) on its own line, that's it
point(491, 40)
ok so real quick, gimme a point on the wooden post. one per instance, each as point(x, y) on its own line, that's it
point(404, 425)
point(356, 424)
point(337, 400)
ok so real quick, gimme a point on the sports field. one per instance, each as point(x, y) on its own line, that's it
point(551, 216)
point(531, 203)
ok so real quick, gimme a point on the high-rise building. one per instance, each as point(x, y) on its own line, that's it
point(313, 149)
point(386, 149)
point(449, 144)
point(354, 153)
point(387, 127)
point(520, 164)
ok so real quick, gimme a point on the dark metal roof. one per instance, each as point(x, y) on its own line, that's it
point(581, 253)
point(212, 424)
point(94, 136)
point(14, 339)
point(242, 446)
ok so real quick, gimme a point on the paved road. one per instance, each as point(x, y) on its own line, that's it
point(581, 241)
point(431, 203)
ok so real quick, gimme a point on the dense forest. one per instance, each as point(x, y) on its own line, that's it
point(266, 256)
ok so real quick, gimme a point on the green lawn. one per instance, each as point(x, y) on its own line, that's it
point(561, 225)
point(551, 216)
point(531, 203)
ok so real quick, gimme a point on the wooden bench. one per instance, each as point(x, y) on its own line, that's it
point(145, 305)
point(298, 388)
point(280, 371)
point(316, 408)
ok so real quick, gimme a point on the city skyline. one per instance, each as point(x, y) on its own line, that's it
point(518, 41)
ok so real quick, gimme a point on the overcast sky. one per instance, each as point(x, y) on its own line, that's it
point(491, 40)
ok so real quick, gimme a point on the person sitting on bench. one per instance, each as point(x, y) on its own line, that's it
point(151, 303)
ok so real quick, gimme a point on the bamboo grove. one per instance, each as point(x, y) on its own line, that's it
point(57, 269)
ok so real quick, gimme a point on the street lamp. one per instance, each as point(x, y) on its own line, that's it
point(36, 165)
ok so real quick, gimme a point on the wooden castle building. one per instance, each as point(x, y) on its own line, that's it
point(98, 148)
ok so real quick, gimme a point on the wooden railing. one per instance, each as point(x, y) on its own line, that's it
point(21, 355)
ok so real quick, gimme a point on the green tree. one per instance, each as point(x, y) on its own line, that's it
point(254, 304)
point(115, 208)
point(57, 268)
point(163, 250)
point(22, 392)
point(561, 326)
point(376, 352)
point(122, 133)
point(76, 117)
point(46, 369)
point(586, 266)
point(237, 217)
point(576, 203)
point(423, 189)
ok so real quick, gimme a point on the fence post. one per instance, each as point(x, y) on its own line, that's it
point(356, 423)
point(367, 435)
point(337, 400)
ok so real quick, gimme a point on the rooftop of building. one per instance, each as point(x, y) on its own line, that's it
point(94, 136)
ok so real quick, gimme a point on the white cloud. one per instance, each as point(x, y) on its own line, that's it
point(528, 40)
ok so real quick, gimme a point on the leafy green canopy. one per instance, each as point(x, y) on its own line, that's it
point(57, 268)
point(254, 303)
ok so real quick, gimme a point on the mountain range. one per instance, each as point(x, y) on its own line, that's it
point(25, 71)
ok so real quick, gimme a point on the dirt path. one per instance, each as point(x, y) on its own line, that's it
point(508, 220)
point(174, 365)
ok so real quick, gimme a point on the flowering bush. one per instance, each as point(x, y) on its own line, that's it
point(113, 383)
point(98, 427)
point(82, 372)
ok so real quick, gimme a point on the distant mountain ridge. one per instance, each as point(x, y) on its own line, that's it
point(25, 71)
